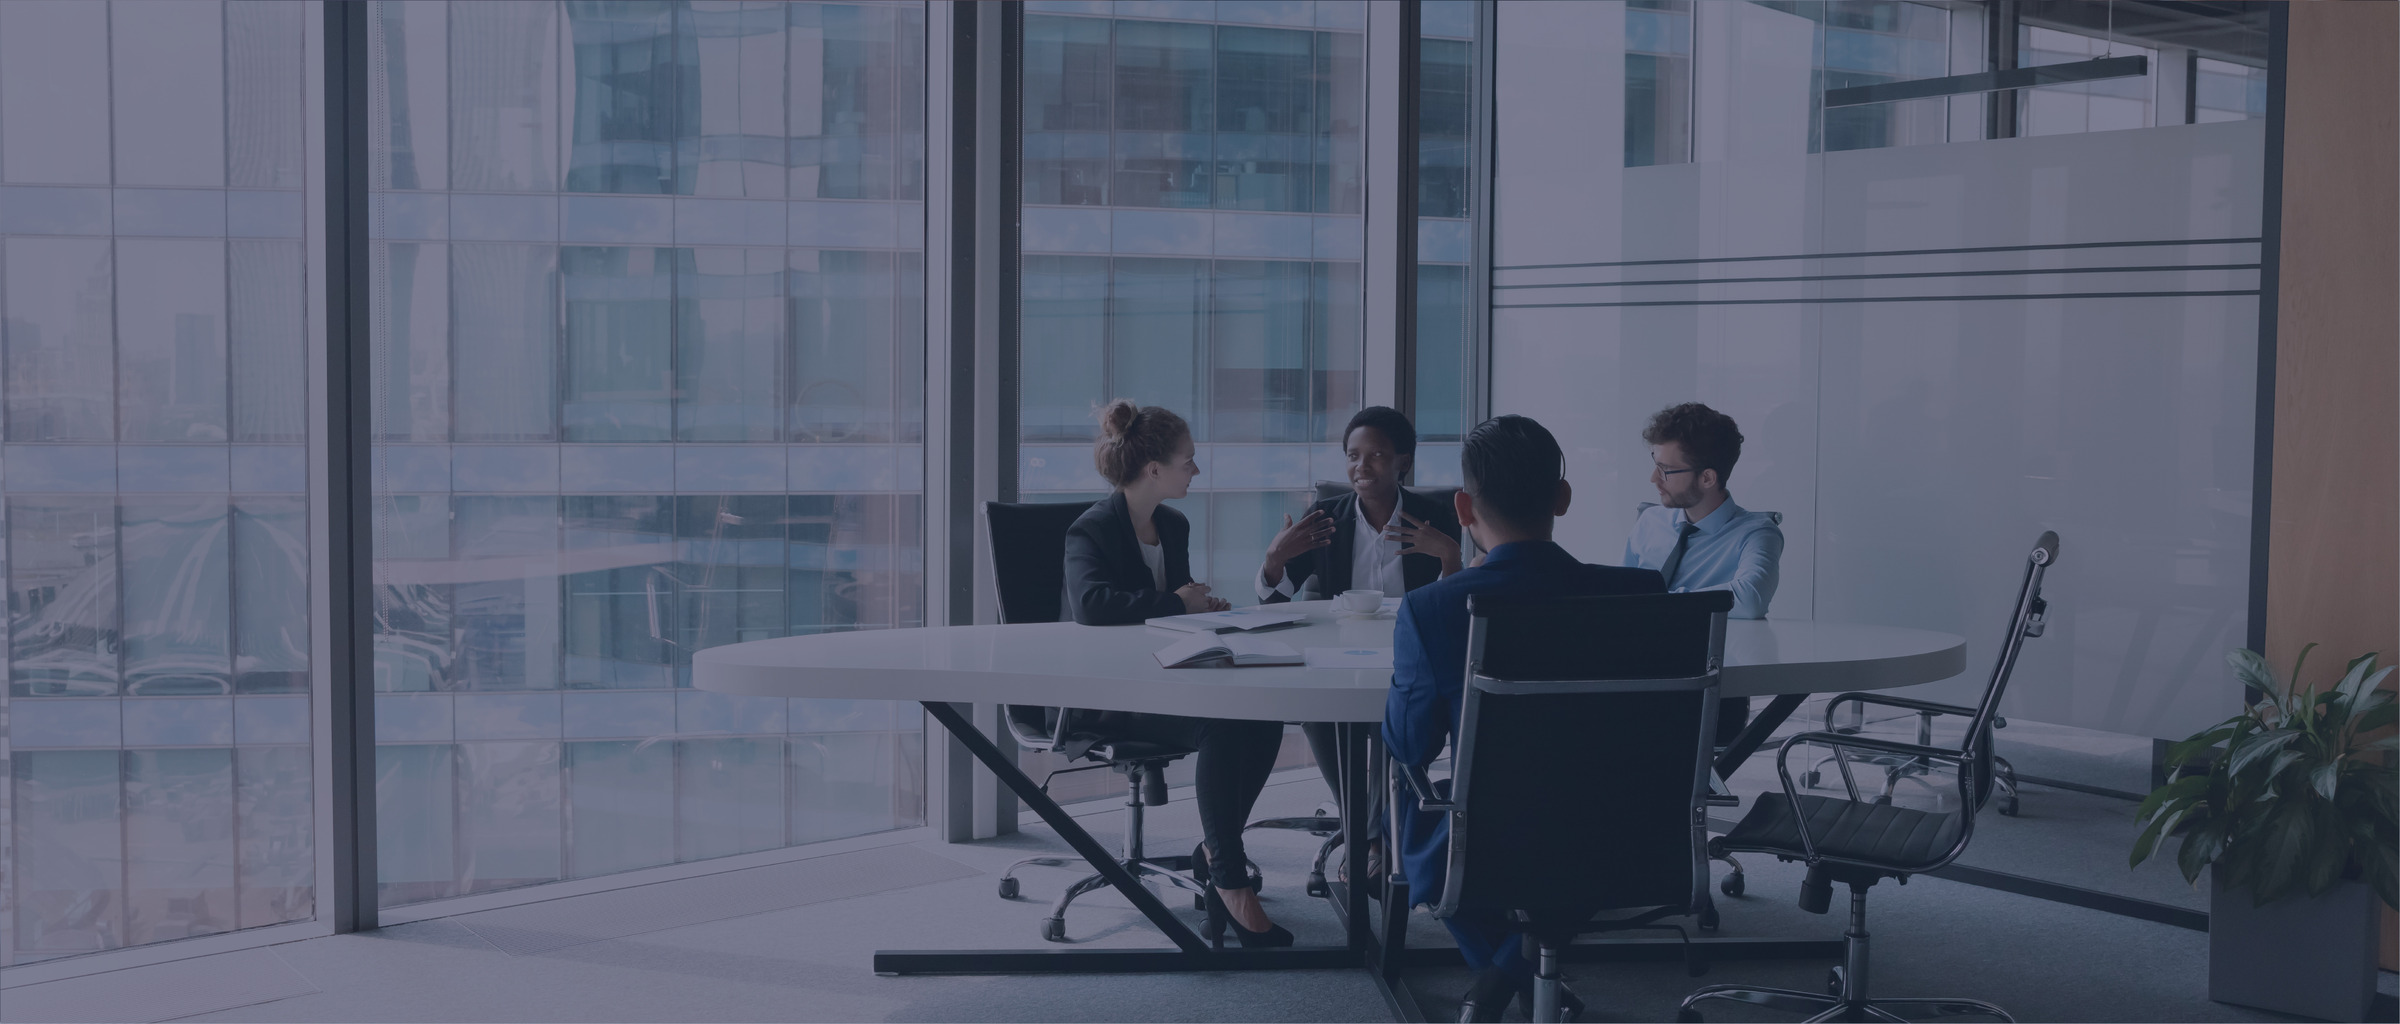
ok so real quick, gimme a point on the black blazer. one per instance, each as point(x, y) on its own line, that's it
point(1107, 582)
point(1331, 564)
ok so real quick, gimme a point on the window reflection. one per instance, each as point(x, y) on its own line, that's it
point(597, 459)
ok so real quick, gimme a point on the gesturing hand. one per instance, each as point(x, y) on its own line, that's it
point(1313, 531)
point(1420, 537)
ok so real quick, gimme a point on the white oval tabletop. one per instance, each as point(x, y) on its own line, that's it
point(1113, 668)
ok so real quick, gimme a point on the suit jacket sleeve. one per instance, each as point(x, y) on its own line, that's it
point(1095, 597)
point(1416, 721)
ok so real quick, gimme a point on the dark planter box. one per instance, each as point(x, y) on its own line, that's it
point(2311, 956)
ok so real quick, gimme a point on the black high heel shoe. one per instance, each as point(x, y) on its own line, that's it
point(1219, 917)
point(1488, 998)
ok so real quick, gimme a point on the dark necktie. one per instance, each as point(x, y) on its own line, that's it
point(1683, 543)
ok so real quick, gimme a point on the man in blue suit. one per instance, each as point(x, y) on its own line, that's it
point(1513, 493)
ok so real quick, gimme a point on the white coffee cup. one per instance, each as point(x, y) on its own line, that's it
point(1359, 602)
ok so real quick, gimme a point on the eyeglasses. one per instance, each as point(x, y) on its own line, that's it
point(1664, 471)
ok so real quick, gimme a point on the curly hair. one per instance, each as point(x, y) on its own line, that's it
point(1132, 438)
point(1392, 423)
point(1708, 437)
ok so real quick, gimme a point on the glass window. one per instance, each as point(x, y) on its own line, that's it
point(61, 320)
point(2226, 91)
point(2103, 106)
point(1448, 369)
point(548, 556)
point(159, 763)
point(1658, 82)
point(1225, 310)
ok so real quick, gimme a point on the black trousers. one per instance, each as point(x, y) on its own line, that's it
point(1235, 758)
point(1332, 764)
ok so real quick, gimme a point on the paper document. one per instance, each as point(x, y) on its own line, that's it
point(1349, 657)
point(1238, 620)
point(1235, 650)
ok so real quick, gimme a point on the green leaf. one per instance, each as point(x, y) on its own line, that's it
point(2256, 747)
point(2296, 663)
point(2183, 788)
point(2378, 715)
point(2252, 670)
point(2184, 751)
point(2147, 842)
point(2363, 680)
point(2326, 778)
point(2200, 848)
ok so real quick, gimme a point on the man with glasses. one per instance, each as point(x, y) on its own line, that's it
point(1695, 535)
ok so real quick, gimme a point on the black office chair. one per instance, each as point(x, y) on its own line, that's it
point(1029, 555)
point(1581, 769)
point(1860, 842)
point(1900, 768)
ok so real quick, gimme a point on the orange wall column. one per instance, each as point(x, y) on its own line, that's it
point(2333, 549)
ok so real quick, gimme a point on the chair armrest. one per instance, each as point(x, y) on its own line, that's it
point(1421, 784)
point(1903, 703)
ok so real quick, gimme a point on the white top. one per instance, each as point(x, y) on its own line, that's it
point(1374, 562)
point(1156, 558)
point(1114, 668)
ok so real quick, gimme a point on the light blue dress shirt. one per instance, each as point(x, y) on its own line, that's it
point(1736, 549)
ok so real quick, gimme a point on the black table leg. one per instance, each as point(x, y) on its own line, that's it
point(1190, 953)
point(1762, 725)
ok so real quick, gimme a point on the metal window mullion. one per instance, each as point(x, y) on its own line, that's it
point(1410, 142)
point(348, 455)
point(1482, 160)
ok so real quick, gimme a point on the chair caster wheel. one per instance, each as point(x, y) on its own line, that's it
point(1732, 885)
point(1708, 919)
point(1317, 887)
point(1054, 929)
point(1687, 1016)
point(2008, 806)
point(1833, 982)
point(1810, 778)
point(1200, 903)
point(1008, 888)
point(1884, 799)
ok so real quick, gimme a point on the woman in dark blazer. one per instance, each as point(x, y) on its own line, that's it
point(1380, 536)
point(1128, 560)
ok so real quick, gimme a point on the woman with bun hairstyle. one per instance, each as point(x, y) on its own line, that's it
point(1128, 559)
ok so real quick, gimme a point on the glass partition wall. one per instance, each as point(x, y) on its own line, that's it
point(1942, 331)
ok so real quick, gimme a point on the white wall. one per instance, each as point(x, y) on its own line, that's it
point(1915, 448)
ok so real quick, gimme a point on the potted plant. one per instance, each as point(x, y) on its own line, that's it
point(2295, 805)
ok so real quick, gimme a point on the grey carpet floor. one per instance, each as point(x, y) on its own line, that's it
point(800, 950)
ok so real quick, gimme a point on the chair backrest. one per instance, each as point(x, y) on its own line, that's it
point(1029, 555)
point(2026, 619)
point(1329, 489)
point(1029, 573)
point(1583, 754)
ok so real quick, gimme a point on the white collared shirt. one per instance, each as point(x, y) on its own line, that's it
point(1374, 556)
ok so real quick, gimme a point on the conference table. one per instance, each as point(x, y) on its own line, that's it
point(947, 668)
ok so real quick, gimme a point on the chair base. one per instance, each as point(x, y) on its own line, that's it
point(1175, 871)
point(1845, 997)
point(1323, 823)
point(1821, 1007)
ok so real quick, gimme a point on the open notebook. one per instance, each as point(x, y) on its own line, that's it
point(1238, 620)
point(1229, 650)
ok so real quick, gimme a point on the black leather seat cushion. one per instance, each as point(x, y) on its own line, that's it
point(1880, 834)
